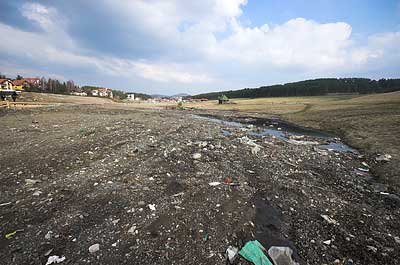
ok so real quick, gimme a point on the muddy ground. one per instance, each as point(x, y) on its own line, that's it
point(133, 182)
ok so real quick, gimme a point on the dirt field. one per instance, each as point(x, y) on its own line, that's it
point(137, 182)
point(370, 123)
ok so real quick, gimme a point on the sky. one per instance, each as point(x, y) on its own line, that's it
point(179, 46)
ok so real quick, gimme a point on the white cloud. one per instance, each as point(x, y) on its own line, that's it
point(168, 73)
point(45, 17)
point(36, 47)
point(185, 34)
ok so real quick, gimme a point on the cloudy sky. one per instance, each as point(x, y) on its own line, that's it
point(175, 46)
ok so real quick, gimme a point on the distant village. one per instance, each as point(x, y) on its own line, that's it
point(35, 84)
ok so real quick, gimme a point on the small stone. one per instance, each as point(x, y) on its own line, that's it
point(37, 193)
point(141, 203)
point(132, 229)
point(327, 242)
point(48, 235)
point(94, 248)
point(372, 248)
point(328, 219)
point(196, 156)
point(397, 239)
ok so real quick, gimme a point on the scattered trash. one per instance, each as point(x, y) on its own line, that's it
point(48, 235)
point(363, 169)
point(372, 248)
point(255, 148)
point(5, 204)
point(328, 219)
point(327, 242)
point(205, 237)
point(196, 156)
point(55, 259)
point(94, 248)
point(10, 235)
point(228, 180)
point(365, 164)
point(48, 252)
point(253, 251)
point(215, 183)
point(32, 181)
point(132, 230)
point(383, 157)
point(37, 193)
point(281, 255)
point(231, 254)
point(152, 207)
point(397, 239)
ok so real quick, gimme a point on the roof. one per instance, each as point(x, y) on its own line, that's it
point(4, 79)
point(223, 97)
point(19, 82)
point(32, 79)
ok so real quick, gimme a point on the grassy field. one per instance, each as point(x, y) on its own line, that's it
point(370, 123)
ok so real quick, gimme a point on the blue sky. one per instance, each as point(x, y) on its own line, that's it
point(175, 46)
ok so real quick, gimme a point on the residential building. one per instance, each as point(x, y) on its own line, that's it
point(79, 93)
point(33, 81)
point(102, 92)
point(130, 96)
point(6, 84)
point(20, 84)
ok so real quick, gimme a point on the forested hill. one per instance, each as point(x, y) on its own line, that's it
point(314, 87)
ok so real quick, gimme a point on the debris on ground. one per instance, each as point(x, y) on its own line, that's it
point(94, 248)
point(135, 188)
point(253, 251)
point(328, 219)
point(281, 255)
point(231, 254)
point(383, 157)
point(13, 233)
point(55, 259)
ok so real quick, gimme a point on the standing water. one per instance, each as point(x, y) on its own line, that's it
point(287, 132)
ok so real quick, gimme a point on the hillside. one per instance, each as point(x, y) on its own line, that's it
point(315, 87)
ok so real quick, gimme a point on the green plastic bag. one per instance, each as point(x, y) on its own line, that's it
point(253, 251)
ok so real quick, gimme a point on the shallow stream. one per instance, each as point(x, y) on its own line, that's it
point(287, 132)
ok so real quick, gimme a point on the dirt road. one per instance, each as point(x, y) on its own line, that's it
point(137, 182)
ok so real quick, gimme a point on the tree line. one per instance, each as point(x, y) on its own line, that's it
point(315, 87)
point(55, 86)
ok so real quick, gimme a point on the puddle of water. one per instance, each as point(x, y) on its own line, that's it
point(281, 131)
point(220, 121)
point(340, 147)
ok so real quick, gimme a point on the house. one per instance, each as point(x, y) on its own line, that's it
point(223, 99)
point(130, 96)
point(19, 85)
point(79, 93)
point(33, 81)
point(102, 92)
point(6, 84)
